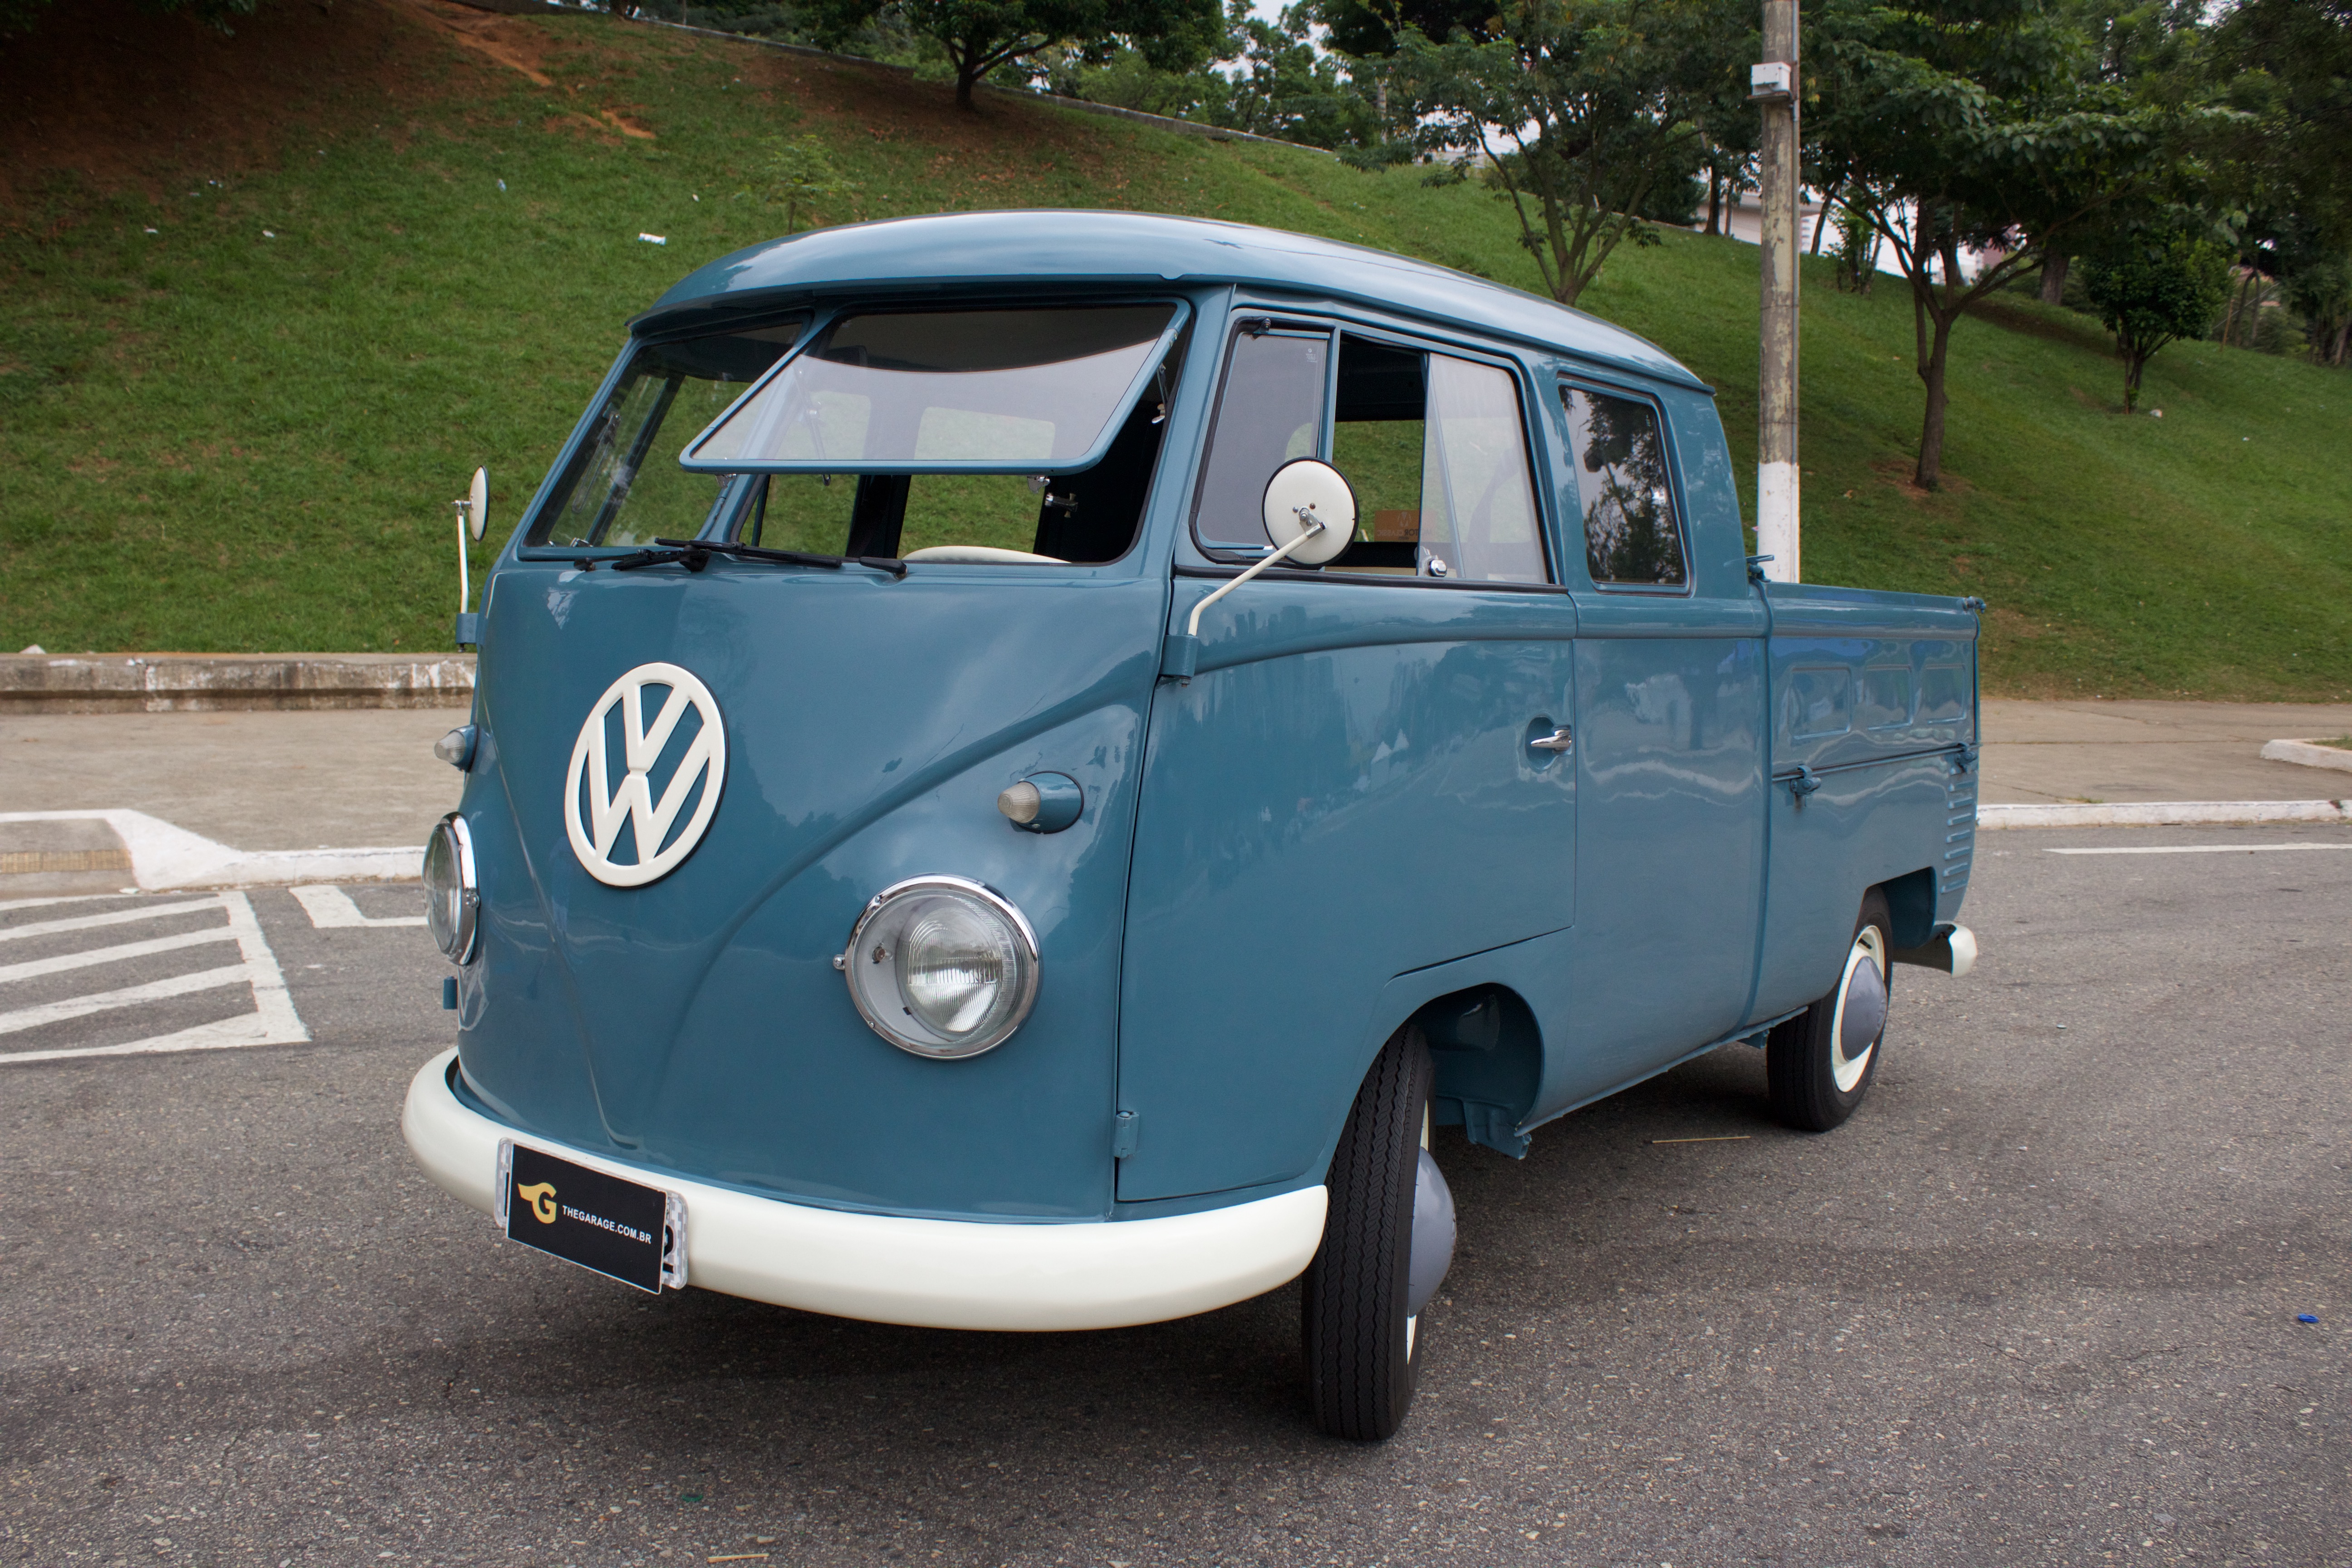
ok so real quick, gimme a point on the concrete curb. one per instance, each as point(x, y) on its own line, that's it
point(166, 858)
point(219, 682)
point(2164, 814)
point(2310, 753)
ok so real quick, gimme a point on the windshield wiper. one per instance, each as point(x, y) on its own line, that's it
point(694, 555)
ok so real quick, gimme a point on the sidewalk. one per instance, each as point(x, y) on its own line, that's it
point(268, 780)
point(2045, 752)
point(281, 781)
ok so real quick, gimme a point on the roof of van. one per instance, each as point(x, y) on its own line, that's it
point(900, 256)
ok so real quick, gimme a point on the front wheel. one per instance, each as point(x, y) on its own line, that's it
point(1387, 1240)
point(1819, 1064)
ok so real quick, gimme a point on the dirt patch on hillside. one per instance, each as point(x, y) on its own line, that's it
point(119, 98)
point(124, 99)
point(516, 45)
point(1900, 475)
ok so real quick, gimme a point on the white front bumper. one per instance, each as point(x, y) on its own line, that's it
point(933, 1273)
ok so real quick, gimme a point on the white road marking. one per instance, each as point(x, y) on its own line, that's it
point(272, 1022)
point(2200, 849)
point(112, 918)
point(114, 954)
point(125, 996)
point(333, 907)
point(8, 904)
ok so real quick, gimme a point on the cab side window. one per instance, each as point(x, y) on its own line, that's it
point(1433, 445)
point(1631, 535)
point(1477, 504)
point(1272, 411)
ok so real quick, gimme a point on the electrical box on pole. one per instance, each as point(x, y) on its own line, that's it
point(1772, 86)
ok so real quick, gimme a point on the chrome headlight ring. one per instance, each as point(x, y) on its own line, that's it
point(452, 898)
point(941, 967)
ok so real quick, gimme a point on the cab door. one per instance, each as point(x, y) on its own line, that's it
point(1367, 775)
point(1670, 683)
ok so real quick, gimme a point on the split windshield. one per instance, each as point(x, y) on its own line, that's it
point(623, 486)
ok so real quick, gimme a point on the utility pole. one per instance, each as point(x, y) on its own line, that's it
point(1772, 85)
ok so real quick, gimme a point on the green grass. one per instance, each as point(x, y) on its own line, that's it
point(214, 439)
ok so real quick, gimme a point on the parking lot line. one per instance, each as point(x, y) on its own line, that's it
point(114, 954)
point(272, 1022)
point(333, 907)
point(112, 918)
point(2197, 848)
point(123, 996)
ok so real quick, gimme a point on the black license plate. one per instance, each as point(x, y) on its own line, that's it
point(617, 1227)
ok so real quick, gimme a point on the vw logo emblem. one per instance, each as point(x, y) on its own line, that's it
point(600, 800)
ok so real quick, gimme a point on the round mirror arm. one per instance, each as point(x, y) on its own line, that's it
point(1310, 525)
point(465, 586)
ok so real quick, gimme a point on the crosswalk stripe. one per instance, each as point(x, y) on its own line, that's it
point(272, 1022)
point(112, 918)
point(244, 1029)
point(114, 954)
point(124, 996)
point(8, 904)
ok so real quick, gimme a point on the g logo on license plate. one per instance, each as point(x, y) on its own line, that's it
point(597, 804)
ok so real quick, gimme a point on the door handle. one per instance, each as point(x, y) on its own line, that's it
point(1559, 739)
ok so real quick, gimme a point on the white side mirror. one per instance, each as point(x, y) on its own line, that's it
point(478, 504)
point(1310, 515)
point(1306, 491)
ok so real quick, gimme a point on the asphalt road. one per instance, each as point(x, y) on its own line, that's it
point(2037, 1303)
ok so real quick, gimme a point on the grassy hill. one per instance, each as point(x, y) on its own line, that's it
point(268, 311)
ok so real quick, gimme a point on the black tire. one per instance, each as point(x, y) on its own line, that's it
point(1803, 1061)
point(1361, 1360)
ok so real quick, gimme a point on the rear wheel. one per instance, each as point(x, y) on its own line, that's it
point(1820, 1063)
point(1387, 1240)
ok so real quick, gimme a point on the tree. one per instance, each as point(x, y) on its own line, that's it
point(2153, 287)
point(797, 174)
point(980, 36)
point(1969, 126)
point(2321, 288)
point(2290, 69)
point(1582, 110)
point(1364, 28)
point(1287, 90)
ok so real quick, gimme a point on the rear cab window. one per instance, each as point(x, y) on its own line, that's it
point(1433, 444)
point(1625, 490)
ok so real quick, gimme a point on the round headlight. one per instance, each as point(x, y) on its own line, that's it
point(452, 902)
point(941, 966)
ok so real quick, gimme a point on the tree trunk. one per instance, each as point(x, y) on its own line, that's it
point(1822, 219)
point(965, 78)
point(2133, 362)
point(2237, 312)
point(1934, 349)
point(2053, 277)
point(1714, 200)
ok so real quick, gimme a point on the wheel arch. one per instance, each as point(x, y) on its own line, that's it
point(1489, 1051)
point(1483, 1042)
point(1911, 904)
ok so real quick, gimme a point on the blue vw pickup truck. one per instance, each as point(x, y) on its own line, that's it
point(1024, 761)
